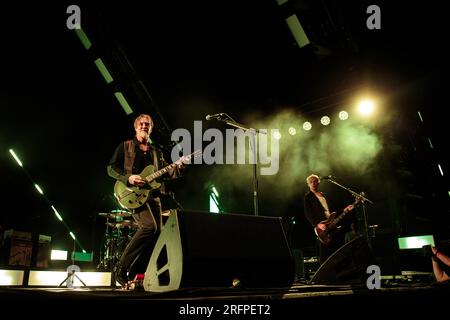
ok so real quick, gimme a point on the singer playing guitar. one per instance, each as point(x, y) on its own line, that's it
point(317, 212)
point(130, 160)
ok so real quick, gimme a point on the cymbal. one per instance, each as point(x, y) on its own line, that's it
point(121, 213)
point(115, 214)
point(106, 214)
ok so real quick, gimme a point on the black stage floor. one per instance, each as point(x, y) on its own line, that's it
point(223, 303)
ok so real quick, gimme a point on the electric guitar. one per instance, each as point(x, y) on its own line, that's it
point(331, 223)
point(132, 197)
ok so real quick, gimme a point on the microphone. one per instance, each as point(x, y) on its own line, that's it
point(213, 116)
point(327, 177)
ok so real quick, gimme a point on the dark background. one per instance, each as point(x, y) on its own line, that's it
point(181, 61)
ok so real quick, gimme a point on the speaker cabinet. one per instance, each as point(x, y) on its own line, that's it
point(347, 265)
point(200, 249)
point(17, 248)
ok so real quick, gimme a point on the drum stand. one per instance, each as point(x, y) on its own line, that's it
point(109, 258)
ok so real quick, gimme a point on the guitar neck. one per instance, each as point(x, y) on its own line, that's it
point(160, 172)
point(342, 215)
point(339, 217)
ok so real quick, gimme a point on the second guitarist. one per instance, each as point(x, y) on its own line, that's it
point(316, 210)
point(129, 159)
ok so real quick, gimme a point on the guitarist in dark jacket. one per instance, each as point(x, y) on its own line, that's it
point(317, 211)
point(129, 159)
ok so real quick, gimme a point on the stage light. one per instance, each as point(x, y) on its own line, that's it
point(123, 102)
point(325, 120)
point(83, 38)
point(57, 213)
point(15, 157)
point(420, 116)
point(297, 31)
point(11, 277)
point(440, 170)
point(343, 115)
point(58, 255)
point(38, 188)
point(415, 242)
point(292, 131)
point(215, 191)
point(82, 256)
point(277, 135)
point(214, 202)
point(307, 126)
point(103, 70)
point(366, 107)
point(54, 278)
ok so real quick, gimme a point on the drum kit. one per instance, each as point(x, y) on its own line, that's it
point(120, 227)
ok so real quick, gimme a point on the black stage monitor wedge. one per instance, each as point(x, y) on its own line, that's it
point(202, 249)
point(348, 265)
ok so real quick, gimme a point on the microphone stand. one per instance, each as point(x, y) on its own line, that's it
point(363, 200)
point(230, 121)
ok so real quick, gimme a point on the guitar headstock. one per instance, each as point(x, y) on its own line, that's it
point(196, 154)
point(193, 155)
point(359, 198)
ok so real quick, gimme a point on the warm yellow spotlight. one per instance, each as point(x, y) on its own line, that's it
point(366, 107)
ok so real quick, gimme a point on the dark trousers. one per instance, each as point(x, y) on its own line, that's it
point(148, 218)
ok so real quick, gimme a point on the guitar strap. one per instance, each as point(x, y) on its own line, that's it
point(155, 159)
point(130, 154)
point(128, 148)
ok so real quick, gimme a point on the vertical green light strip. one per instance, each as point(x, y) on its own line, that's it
point(297, 31)
point(39, 189)
point(15, 157)
point(83, 38)
point(123, 102)
point(429, 141)
point(440, 170)
point(420, 116)
point(103, 70)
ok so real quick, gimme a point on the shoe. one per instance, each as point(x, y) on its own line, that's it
point(121, 275)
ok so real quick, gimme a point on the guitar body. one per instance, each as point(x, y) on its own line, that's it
point(326, 236)
point(132, 197)
point(331, 223)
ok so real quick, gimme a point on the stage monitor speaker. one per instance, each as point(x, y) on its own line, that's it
point(201, 249)
point(348, 265)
